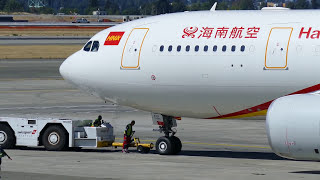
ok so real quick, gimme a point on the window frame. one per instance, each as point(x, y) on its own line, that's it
point(91, 50)
point(85, 46)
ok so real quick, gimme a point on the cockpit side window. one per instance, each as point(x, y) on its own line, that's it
point(87, 47)
point(95, 46)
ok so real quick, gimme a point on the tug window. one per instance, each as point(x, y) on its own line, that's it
point(170, 48)
point(95, 46)
point(87, 47)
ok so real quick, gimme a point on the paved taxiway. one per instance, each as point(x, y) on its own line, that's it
point(212, 149)
point(55, 40)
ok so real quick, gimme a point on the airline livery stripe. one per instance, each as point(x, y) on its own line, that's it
point(261, 109)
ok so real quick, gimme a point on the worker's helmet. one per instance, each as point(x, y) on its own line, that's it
point(99, 117)
point(133, 122)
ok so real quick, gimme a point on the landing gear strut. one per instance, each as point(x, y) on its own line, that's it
point(168, 144)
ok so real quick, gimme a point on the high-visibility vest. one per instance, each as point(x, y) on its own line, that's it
point(128, 131)
point(97, 123)
point(92, 124)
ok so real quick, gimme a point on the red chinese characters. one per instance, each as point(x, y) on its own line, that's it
point(206, 32)
point(221, 32)
point(236, 32)
point(252, 32)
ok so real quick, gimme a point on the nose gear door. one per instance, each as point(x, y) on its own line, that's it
point(132, 49)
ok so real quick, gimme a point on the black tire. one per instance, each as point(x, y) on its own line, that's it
point(140, 149)
point(7, 137)
point(55, 138)
point(177, 144)
point(164, 146)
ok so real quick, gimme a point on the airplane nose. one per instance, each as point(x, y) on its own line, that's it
point(73, 69)
point(65, 69)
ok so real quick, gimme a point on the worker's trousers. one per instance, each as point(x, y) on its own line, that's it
point(126, 142)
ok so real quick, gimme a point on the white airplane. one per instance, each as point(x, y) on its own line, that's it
point(214, 65)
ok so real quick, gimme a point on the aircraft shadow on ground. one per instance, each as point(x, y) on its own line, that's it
point(306, 172)
point(71, 149)
point(232, 154)
point(218, 154)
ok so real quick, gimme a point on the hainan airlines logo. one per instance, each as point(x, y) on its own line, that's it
point(113, 38)
point(221, 32)
point(309, 33)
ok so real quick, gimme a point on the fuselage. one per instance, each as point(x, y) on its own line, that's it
point(208, 64)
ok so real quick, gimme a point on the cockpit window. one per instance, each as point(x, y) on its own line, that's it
point(95, 46)
point(87, 47)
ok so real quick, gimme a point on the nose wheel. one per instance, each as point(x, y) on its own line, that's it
point(168, 144)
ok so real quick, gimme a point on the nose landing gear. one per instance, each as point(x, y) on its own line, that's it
point(168, 144)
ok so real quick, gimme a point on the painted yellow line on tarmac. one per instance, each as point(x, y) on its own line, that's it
point(209, 144)
point(40, 90)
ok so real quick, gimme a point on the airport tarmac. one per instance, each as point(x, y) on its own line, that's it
point(53, 40)
point(212, 149)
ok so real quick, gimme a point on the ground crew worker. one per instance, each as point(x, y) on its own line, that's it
point(97, 122)
point(3, 154)
point(127, 136)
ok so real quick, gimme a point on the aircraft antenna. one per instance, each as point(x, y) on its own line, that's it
point(214, 7)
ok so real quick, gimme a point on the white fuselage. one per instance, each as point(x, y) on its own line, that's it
point(281, 55)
